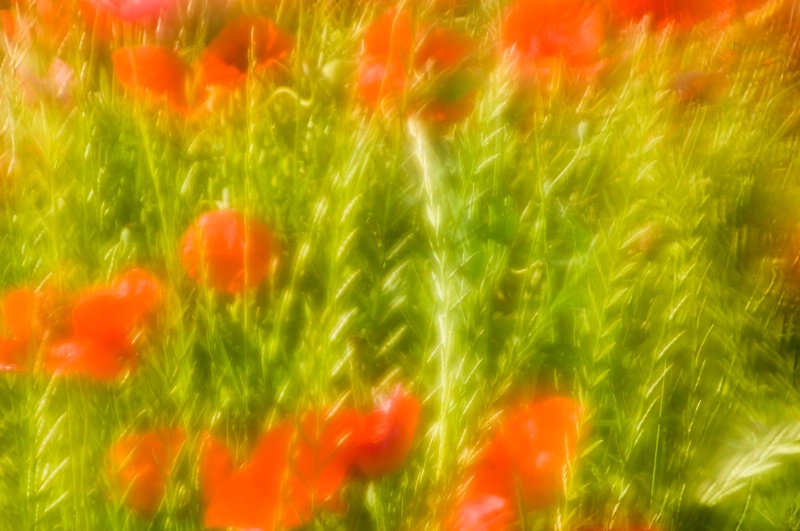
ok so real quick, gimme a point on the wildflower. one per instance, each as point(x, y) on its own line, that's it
point(229, 252)
point(140, 466)
point(322, 454)
point(296, 469)
point(22, 310)
point(525, 461)
point(541, 440)
point(543, 36)
point(437, 58)
point(155, 70)
point(139, 288)
point(444, 54)
point(226, 59)
point(103, 322)
point(215, 466)
point(489, 500)
point(385, 57)
point(388, 435)
point(252, 497)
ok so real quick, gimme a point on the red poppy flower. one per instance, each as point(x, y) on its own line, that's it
point(489, 500)
point(140, 466)
point(103, 325)
point(322, 454)
point(253, 496)
point(541, 440)
point(155, 70)
point(228, 251)
point(216, 466)
point(226, 59)
point(22, 311)
point(385, 57)
point(543, 35)
point(388, 435)
point(436, 57)
point(683, 13)
point(139, 289)
point(444, 54)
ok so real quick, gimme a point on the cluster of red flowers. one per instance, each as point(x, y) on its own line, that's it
point(99, 339)
point(223, 249)
point(297, 468)
point(523, 466)
point(421, 68)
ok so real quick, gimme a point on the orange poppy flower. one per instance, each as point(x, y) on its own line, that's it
point(139, 288)
point(541, 36)
point(541, 440)
point(140, 465)
point(226, 59)
point(489, 500)
point(216, 466)
point(322, 454)
point(22, 310)
point(385, 57)
point(227, 251)
point(436, 55)
point(388, 435)
point(444, 54)
point(103, 325)
point(682, 13)
point(253, 496)
point(155, 70)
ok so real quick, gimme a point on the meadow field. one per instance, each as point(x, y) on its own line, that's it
point(458, 265)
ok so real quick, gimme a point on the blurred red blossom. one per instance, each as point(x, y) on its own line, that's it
point(140, 466)
point(544, 36)
point(22, 310)
point(525, 460)
point(228, 251)
point(388, 434)
point(438, 59)
point(323, 451)
point(252, 496)
point(225, 62)
point(103, 326)
point(296, 469)
point(154, 70)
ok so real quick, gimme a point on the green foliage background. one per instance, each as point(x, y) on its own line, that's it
point(614, 245)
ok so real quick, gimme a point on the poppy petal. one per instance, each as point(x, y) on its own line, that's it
point(140, 466)
point(152, 69)
point(226, 59)
point(251, 498)
point(323, 452)
point(140, 289)
point(104, 317)
point(230, 252)
point(388, 435)
point(85, 358)
point(216, 465)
